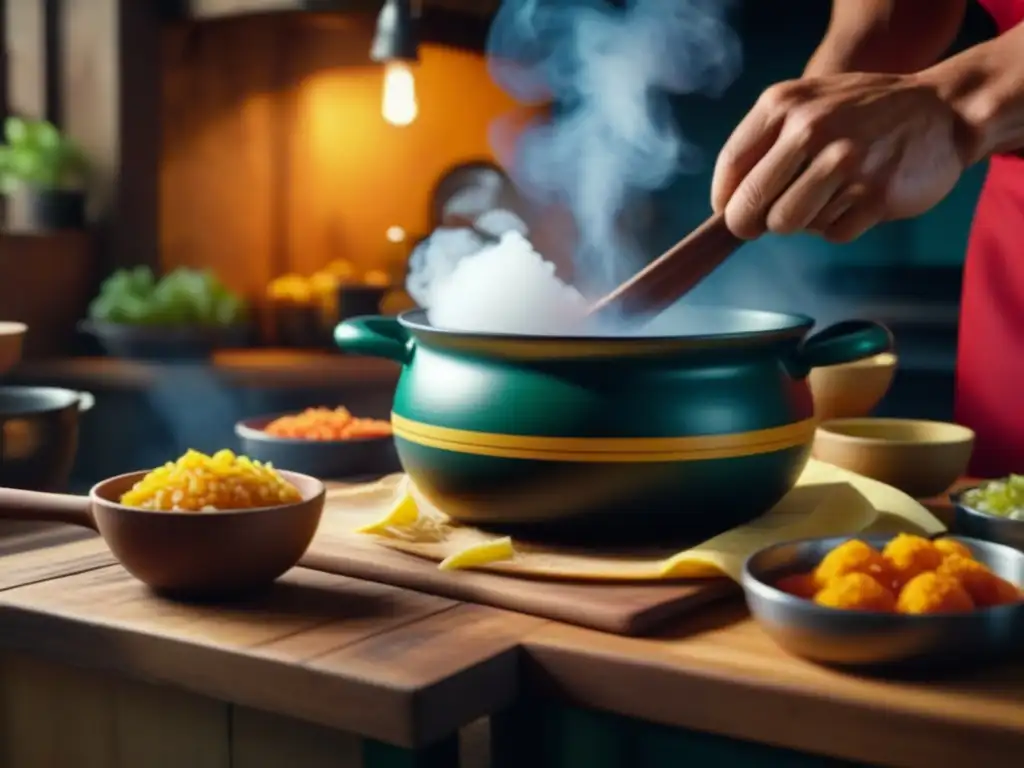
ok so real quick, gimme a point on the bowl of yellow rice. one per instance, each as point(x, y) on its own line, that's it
point(208, 525)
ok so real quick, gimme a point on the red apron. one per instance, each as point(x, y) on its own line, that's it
point(990, 360)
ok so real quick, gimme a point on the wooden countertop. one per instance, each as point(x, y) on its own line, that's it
point(242, 367)
point(407, 667)
point(381, 662)
point(723, 675)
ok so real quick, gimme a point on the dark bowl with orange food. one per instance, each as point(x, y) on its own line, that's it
point(887, 604)
point(327, 443)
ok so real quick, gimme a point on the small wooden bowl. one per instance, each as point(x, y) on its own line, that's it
point(12, 337)
point(851, 390)
point(185, 554)
point(920, 458)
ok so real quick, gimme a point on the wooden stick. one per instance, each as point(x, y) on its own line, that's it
point(673, 274)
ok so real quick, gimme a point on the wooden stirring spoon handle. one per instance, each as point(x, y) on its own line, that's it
point(673, 274)
point(36, 506)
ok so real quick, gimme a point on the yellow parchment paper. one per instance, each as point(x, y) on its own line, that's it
point(827, 501)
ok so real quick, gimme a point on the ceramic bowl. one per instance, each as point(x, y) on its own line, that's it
point(920, 458)
point(326, 459)
point(851, 390)
point(869, 640)
point(969, 521)
point(12, 337)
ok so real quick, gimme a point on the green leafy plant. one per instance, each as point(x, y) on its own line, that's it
point(38, 155)
point(182, 297)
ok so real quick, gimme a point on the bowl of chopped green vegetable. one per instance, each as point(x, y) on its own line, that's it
point(186, 314)
point(993, 511)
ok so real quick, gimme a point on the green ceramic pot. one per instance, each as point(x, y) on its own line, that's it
point(646, 438)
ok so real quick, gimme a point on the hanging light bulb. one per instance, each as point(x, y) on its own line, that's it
point(399, 106)
point(396, 46)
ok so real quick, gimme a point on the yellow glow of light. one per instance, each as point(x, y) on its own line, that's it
point(395, 235)
point(399, 106)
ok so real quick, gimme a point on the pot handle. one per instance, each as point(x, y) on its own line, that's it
point(843, 342)
point(39, 507)
point(375, 336)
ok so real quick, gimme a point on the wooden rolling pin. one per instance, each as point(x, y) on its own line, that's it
point(673, 274)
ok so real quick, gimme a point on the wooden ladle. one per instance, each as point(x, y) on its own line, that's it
point(673, 274)
point(185, 554)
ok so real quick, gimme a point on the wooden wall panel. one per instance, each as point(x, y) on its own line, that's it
point(275, 154)
point(46, 281)
point(217, 181)
point(110, 105)
point(92, 67)
point(26, 58)
point(250, 145)
point(351, 174)
point(3, 65)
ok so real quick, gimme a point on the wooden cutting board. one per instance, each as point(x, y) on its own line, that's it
point(623, 609)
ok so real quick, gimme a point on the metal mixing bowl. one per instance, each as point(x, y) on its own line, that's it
point(969, 521)
point(39, 436)
point(881, 641)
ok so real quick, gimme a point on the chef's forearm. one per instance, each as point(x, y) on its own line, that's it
point(985, 85)
point(892, 36)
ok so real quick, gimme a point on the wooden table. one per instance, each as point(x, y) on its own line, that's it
point(329, 671)
point(717, 691)
point(322, 671)
point(652, 702)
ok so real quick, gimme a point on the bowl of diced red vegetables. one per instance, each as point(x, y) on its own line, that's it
point(328, 443)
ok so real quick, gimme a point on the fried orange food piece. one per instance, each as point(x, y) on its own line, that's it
point(853, 556)
point(327, 424)
point(952, 548)
point(933, 593)
point(856, 592)
point(985, 588)
point(911, 556)
point(799, 585)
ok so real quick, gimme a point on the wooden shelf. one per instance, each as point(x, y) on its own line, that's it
point(268, 368)
point(213, 9)
point(460, 24)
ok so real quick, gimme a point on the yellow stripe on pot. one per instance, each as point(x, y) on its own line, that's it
point(604, 449)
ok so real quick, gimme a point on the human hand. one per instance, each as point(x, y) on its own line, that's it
point(837, 155)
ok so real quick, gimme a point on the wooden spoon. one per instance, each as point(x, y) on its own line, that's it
point(185, 554)
point(461, 222)
point(673, 274)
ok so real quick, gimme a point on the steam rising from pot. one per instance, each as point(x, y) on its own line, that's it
point(611, 70)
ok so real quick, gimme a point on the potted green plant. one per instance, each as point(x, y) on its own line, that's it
point(42, 164)
point(186, 314)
